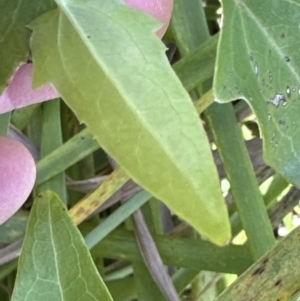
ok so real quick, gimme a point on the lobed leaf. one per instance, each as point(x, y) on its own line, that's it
point(258, 60)
point(115, 76)
point(14, 35)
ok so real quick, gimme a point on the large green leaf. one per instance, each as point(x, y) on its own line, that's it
point(115, 76)
point(55, 264)
point(259, 61)
point(14, 35)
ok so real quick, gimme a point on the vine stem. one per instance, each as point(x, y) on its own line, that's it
point(227, 134)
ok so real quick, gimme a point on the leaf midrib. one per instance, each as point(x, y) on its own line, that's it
point(87, 43)
point(54, 252)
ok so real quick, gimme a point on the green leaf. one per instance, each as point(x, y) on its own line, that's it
point(115, 76)
point(116, 218)
point(55, 264)
point(14, 41)
point(258, 60)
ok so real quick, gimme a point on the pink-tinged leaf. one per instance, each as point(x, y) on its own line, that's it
point(17, 176)
point(146, 113)
point(20, 94)
point(160, 9)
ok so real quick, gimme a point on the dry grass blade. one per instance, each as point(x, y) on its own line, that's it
point(152, 257)
point(92, 202)
point(10, 252)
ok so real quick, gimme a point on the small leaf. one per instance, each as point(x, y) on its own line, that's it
point(14, 41)
point(115, 76)
point(258, 60)
point(55, 264)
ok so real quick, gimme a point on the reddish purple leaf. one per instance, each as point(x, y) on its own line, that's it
point(160, 9)
point(17, 176)
point(20, 94)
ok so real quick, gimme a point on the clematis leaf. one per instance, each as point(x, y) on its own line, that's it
point(115, 76)
point(258, 60)
point(14, 35)
point(55, 264)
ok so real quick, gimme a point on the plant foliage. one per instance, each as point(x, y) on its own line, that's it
point(129, 161)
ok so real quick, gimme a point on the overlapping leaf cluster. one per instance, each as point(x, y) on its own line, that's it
point(114, 77)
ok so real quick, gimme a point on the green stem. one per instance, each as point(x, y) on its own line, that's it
point(116, 218)
point(51, 140)
point(4, 123)
point(183, 277)
point(21, 117)
point(240, 173)
point(64, 156)
point(228, 136)
point(204, 102)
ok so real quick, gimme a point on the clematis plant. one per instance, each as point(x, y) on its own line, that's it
point(17, 166)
